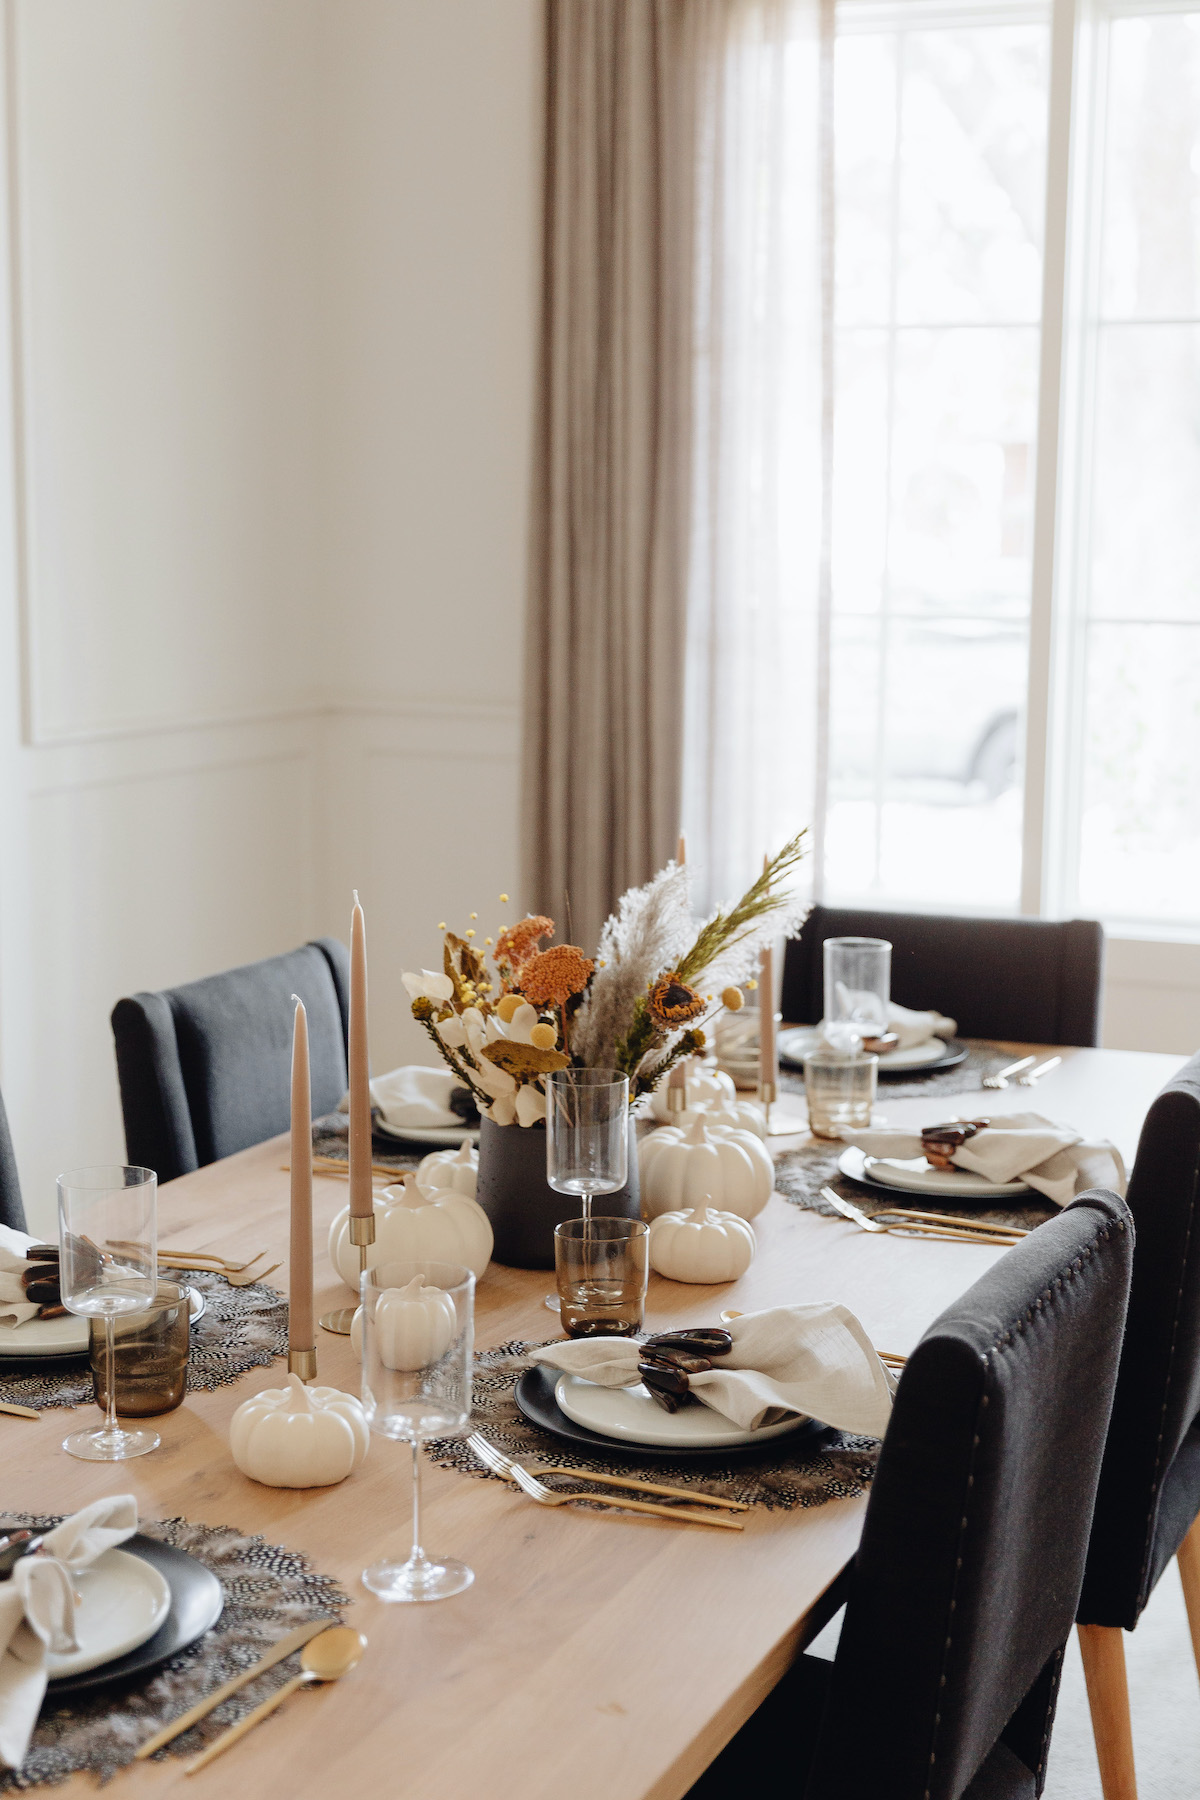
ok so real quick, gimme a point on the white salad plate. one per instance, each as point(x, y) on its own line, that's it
point(913, 1175)
point(122, 1602)
point(630, 1414)
point(65, 1336)
point(442, 1137)
point(796, 1044)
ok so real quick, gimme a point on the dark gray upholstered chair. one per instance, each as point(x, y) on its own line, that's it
point(964, 1590)
point(1033, 980)
point(12, 1207)
point(1148, 1502)
point(205, 1068)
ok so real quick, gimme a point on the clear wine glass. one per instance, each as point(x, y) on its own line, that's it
point(418, 1342)
point(587, 1136)
point(108, 1266)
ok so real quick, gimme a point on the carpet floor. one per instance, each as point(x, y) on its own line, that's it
point(1164, 1699)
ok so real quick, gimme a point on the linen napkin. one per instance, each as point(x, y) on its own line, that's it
point(1055, 1159)
point(37, 1612)
point(911, 1028)
point(413, 1096)
point(15, 1309)
point(811, 1361)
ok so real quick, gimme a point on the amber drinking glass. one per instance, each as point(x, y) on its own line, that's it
point(602, 1266)
point(840, 1087)
point(150, 1355)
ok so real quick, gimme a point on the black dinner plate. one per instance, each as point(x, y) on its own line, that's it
point(956, 1052)
point(196, 1602)
point(534, 1395)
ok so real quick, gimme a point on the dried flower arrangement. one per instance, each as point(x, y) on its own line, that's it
point(639, 1005)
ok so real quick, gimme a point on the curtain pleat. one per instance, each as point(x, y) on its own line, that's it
point(604, 676)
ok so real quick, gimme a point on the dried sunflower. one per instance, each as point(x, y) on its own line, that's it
point(553, 976)
point(672, 1003)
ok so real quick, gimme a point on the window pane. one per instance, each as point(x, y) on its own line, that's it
point(1145, 544)
point(1141, 820)
point(1139, 581)
point(1151, 256)
point(940, 152)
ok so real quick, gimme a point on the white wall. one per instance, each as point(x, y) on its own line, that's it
point(263, 533)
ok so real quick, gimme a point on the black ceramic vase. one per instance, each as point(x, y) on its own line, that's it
point(523, 1208)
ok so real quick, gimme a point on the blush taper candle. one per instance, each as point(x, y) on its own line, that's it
point(361, 1202)
point(302, 1354)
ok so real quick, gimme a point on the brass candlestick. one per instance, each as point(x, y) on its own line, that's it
point(362, 1233)
point(303, 1363)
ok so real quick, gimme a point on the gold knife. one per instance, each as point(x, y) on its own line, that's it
point(19, 1412)
point(287, 1646)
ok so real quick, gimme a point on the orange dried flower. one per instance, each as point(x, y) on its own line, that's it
point(552, 976)
point(673, 1003)
point(515, 944)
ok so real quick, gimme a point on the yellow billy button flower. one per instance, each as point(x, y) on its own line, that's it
point(733, 999)
point(471, 934)
point(487, 940)
point(543, 1037)
point(504, 899)
point(752, 984)
point(508, 1005)
point(441, 924)
point(474, 915)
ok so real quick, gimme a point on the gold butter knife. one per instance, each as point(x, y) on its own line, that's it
point(19, 1412)
point(287, 1646)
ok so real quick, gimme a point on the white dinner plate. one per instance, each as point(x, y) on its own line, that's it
point(797, 1043)
point(65, 1336)
point(914, 1176)
point(631, 1414)
point(445, 1137)
point(122, 1602)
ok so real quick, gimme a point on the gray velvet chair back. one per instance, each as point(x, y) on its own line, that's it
point(12, 1207)
point(1150, 1481)
point(204, 1069)
point(966, 1582)
point(1033, 980)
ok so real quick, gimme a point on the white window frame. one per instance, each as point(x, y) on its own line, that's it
point(1054, 716)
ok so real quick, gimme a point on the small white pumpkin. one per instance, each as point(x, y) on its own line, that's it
point(684, 1166)
point(701, 1086)
point(411, 1226)
point(701, 1245)
point(453, 1169)
point(299, 1436)
point(740, 1115)
point(416, 1325)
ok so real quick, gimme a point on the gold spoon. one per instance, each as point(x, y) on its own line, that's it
point(327, 1657)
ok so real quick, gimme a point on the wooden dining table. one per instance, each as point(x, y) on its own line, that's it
point(603, 1656)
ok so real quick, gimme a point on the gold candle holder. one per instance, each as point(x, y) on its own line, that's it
point(767, 1096)
point(303, 1363)
point(362, 1234)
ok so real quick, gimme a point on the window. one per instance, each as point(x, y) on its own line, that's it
point(982, 337)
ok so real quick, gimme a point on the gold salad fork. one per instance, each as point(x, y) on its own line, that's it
point(502, 1465)
point(927, 1225)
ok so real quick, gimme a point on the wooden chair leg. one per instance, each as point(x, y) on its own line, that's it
point(1103, 1651)
point(1188, 1558)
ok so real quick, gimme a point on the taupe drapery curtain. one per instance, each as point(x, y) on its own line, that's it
point(677, 591)
point(604, 675)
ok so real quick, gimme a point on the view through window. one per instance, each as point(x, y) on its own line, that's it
point(941, 131)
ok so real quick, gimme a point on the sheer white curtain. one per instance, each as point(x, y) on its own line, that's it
point(758, 553)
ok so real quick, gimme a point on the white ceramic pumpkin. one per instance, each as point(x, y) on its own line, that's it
point(701, 1245)
point(411, 1226)
point(737, 1115)
point(702, 1085)
point(687, 1166)
point(416, 1325)
point(299, 1436)
point(453, 1169)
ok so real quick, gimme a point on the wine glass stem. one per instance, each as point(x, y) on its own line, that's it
point(587, 1206)
point(110, 1377)
point(418, 1555)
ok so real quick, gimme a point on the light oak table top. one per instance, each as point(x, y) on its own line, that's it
point(603, 1656)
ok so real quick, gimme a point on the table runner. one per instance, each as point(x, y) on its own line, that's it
point(242, 1329)
point(269, 1590)
point(837, 1467)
